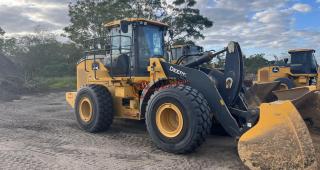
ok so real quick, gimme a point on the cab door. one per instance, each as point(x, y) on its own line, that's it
point(119, 59)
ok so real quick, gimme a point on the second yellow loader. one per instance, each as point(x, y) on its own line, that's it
point(298, 70)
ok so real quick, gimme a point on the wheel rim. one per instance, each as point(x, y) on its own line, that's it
point(85, 109)
point(169, 120)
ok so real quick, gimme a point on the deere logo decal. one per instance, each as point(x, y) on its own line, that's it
point(275, 69)
point(179, 72)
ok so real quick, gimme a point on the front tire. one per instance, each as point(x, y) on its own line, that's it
point(178, 119)
point(94, 108)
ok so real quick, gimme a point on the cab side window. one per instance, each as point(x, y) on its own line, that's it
point(119, 58)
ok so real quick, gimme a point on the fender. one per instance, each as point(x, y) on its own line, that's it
point(148, 91)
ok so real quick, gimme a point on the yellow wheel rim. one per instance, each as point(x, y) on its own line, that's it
point(85, 109)
point(169, 120)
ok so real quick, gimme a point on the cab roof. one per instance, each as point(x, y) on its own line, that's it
point(184, 45)
point(301, 50)
point(116, 23)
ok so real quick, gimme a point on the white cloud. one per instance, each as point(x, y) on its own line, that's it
point(301, 7)
point(43, 4)
point(267, 26)
point(22, 16)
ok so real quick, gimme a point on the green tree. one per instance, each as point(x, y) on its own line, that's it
point(186, 21)
point(88, 16)
point(7, 45)
point(254, 62)
point(42, 55)
point(2, 32)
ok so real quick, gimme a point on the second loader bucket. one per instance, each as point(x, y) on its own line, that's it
point(261, 93)
point(292, 94)
point(279, 140)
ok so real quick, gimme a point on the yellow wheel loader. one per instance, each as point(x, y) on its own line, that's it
point(128, 78)
point(301, 71)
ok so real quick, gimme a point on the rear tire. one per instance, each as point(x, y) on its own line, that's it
point(194, 112)
point(94, 108)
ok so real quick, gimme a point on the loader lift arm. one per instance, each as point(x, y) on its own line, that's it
point(222, 92)
point(263, 130)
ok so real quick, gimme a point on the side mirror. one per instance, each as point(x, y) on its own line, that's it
point(286, 60)
point(200, 49)
point(124, 26)
point(108, 47)
point(171, 34)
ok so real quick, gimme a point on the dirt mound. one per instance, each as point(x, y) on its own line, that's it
point(11, 82)
point(7, 67)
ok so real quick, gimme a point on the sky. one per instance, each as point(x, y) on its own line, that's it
point(260, 26)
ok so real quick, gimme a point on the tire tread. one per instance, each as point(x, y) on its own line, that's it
point(201, 109)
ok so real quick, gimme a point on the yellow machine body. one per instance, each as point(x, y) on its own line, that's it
point(266, 74)
point(117, 23)
point(300, 58)
point(119, 87)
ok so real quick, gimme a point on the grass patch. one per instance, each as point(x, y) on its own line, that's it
point(55, 83)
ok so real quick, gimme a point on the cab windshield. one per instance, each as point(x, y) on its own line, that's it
point(303, 62)
point(150, 44)
point(303, 57)
point(151, 41)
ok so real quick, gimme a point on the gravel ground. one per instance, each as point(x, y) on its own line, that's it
point(40, 132)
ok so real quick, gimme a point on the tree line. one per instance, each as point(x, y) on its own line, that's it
point(87, 17)
point(42, 54)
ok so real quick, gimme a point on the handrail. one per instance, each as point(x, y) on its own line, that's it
point(105, 44)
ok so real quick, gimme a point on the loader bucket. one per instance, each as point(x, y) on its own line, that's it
point(279, 140)
point(308, 106)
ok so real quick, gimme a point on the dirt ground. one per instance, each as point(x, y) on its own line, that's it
point(40, 132)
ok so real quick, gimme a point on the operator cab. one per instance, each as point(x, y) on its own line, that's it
point(132, 43)
point(303, 61)
point(178, 51)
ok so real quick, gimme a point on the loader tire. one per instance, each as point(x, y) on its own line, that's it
point(285, 83)
point(94, 108)
point(178, 119)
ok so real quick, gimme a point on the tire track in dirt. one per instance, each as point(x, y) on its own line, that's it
point(40, 132)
